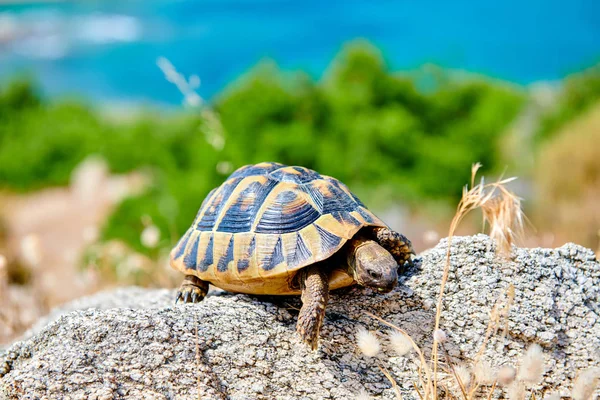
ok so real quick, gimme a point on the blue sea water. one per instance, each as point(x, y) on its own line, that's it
point(107, 50)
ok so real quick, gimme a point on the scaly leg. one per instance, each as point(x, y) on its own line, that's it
point(192, 290)
point(315, 294)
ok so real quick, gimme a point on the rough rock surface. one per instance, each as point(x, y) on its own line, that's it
point(135, 343)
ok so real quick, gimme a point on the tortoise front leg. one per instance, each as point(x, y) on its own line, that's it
point(192, 290)
point(315, 294)
point(397, 244)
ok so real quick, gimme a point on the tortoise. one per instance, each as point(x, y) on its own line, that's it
point(274, 229)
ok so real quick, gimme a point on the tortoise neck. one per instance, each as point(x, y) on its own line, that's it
point(351, 248)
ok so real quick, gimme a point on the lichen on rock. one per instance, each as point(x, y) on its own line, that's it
point(136, 343)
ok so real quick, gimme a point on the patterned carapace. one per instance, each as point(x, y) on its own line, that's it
point(265, 222)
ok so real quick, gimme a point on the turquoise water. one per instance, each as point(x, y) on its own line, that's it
point(108, 50)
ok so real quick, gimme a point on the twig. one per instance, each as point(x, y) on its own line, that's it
point(417, 390)
point(492, 390)
point(391, 379)
point(460, 383)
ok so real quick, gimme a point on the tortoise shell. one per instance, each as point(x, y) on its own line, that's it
point(267, 221)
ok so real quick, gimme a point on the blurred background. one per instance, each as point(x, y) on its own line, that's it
point(118, 117)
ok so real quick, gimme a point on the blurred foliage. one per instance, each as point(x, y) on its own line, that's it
point(579, 92)
point(361, 123)
point(369, 127)
point(567, 179)
point(113, 261)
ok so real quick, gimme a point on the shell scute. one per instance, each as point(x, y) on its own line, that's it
point(227, 258)
point(243, 251)
point(297, 251)
point(329, 240)
point(288, 212)
point(191, 252)
point(207, 259)
point(344, 217)
point(337, 199)
point(256, 169)
point(275, 258)
point(297, 175)
point(179, 249)
point(239, 215)
point(212, 211)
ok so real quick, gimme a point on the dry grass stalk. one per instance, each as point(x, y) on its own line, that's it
point(491, 326)
point(501, 210)
point(391, 379)
point(498, 312)
point(491, 393)
point(510, 298)
point(460, 373)
point(423, 365)
point(197, 362)
point(505, 218)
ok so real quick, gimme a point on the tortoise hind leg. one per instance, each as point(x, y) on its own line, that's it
point(315, 294)
point(397, 244)
point(192, 290)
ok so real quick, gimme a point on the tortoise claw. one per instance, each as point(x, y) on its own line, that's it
point(311, 339)
point(196, 297)
point(192, 290)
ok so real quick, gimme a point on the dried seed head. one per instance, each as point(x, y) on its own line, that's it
point(431, 237)
point(500, 207)
point(506, 375)
point(90, 234)
point(585, 384)
point(516, 391)
point(552, 396)
point(367, 342)
point(532, 365)
point(463, 373)
point(31, 250)
point(440, 336)
point(400, 343)
point(363, 395)
point(224, 167)
point(484, 373)
point(150, 236)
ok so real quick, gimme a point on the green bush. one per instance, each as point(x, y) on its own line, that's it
point(369, 127)
point(580, 91)
point(361, 124)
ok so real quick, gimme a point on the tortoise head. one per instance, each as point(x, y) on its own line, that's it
point(372, 266)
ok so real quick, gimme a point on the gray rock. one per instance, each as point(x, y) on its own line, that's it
point(135, 343)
